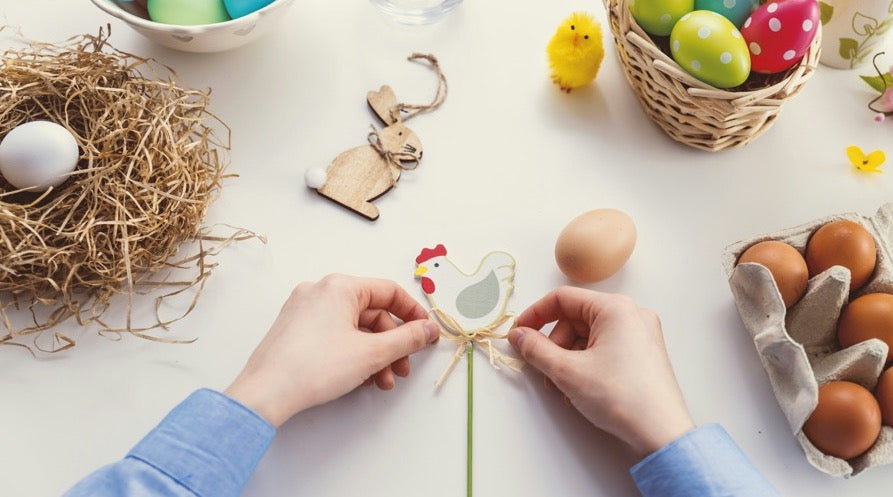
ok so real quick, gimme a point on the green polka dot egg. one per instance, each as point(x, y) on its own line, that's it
point(657, 17)
point(710, 48)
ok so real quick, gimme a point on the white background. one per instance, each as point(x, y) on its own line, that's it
point(508, 161)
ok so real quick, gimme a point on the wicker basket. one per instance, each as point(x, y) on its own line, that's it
point(691, 111)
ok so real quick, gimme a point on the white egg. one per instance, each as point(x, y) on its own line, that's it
point(37, 155)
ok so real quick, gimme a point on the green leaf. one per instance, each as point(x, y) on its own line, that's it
point(863, 24)
point(827, 12)
point(848, 48)
point(877, 82)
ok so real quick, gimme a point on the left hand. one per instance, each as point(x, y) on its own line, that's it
point(329, 338)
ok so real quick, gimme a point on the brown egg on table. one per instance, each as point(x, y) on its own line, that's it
point(846, 422)
point(869, 316)
point(595, 245)
point(884, 395)
point(843, 243)
point(787, 266)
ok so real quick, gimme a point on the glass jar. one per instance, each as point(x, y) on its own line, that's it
point(416, 11)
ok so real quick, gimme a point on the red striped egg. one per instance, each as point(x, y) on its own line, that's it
point(779, 33)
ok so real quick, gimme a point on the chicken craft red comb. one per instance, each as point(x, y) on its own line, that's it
point(471, 307)
point(427, 253)
point(362, 174)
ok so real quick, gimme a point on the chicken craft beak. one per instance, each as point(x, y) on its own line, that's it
point(576, 40)
point(421, 270)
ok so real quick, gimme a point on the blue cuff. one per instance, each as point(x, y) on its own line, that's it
point(703, 462)
point(209, 443)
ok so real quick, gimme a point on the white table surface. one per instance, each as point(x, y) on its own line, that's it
point(508, 161)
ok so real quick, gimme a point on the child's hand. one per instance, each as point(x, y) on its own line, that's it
point(329, 338)
point(608, 357)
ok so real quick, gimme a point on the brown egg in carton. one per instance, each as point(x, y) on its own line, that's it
point(798, 346)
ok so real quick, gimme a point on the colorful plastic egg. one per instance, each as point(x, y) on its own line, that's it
point(239, 8)
point(710, 48)
point(779, 33)
point(187, 13)
point(657, 17)
point(734, 10)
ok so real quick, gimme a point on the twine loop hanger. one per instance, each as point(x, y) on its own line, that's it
point(406, 161)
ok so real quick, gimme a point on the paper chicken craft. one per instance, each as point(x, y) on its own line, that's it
point(474, 301)
point(471, 307)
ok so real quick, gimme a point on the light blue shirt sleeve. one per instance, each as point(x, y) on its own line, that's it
point(704, 462)
point(208, 446)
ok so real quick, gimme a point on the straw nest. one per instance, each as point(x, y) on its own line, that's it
point(150, 165)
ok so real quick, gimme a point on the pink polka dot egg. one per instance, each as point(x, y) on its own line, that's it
point(779, 33)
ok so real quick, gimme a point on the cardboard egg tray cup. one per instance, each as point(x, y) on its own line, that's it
point(798, 346)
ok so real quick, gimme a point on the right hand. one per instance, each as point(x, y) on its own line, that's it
point(609, 359)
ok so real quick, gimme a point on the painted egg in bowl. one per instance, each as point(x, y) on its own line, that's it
point(213, 37)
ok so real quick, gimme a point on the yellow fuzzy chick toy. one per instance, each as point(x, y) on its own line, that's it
point(575, 51)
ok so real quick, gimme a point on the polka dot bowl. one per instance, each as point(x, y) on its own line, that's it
point(693, 112)
point(217, 37)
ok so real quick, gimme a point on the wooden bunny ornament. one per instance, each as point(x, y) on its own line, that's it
point(362, 174)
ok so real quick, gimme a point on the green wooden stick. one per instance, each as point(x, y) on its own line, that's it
point(470, 411)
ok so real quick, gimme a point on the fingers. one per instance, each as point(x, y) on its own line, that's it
point(378, 321)
point(383, 294)
point(541, 353)
point(406, 339)
point(400, 367)
point(575, 304)
point(384, 379)
point(571, 335)
point(582, 329)
point(563, 334)
point(370, 293)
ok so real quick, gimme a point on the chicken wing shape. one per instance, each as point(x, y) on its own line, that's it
point(479, 299)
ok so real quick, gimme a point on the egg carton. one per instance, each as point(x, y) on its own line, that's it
point(798, 346)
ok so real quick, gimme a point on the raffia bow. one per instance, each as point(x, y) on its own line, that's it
point(452, 331)
point(401, 160)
